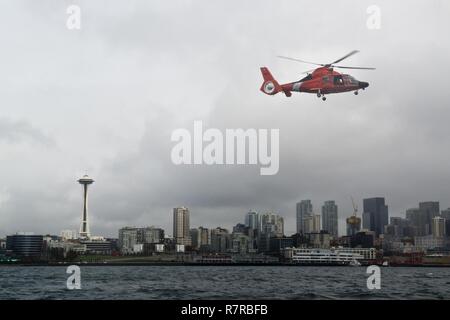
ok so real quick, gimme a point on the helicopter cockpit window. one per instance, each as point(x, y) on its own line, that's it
point(338, 80)
point(325, 79)
point(352, 80)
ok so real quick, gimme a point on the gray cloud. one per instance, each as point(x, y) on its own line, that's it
point(111, 94)
point(22, 131)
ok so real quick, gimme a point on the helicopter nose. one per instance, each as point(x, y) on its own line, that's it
point(363, 84)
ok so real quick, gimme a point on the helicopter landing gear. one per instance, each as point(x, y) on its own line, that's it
point(356, 93)
point(321, 95)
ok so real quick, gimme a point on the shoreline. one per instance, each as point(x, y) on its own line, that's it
point(185, 264)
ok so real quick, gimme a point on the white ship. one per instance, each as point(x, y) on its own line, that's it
point(334, 256)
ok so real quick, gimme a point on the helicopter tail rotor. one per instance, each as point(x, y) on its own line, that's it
point(270, 86)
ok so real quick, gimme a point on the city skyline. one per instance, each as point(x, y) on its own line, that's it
point(181, 225)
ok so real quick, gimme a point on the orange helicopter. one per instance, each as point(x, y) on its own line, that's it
point(323, 80)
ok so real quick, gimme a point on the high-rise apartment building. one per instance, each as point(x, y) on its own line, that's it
point(438, 227)
point(181, 226)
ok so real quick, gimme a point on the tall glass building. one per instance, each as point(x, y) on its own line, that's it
point(330, 218)
point(304, 210)
point(375, 215)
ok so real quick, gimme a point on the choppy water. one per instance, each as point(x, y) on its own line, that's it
point(202, 282)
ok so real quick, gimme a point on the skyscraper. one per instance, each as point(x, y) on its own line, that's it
point(438, 227)
point(181, 226)
point(353, 225)
point(272, 224)
point(330, 218)
point(252, 220)
point(446, 215)
point(195, 238)
point(311, 223)
point(205, 237)
point(85, 181)
point(304, 209)
point(429, 210)
point(375, 215)
point(418, 220)
point(220, 240)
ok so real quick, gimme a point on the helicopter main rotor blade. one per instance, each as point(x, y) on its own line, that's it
point(345, 57)
point(360, 68)
point(330, 65)
point(298, 60)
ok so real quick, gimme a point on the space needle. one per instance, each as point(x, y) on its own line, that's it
point(84, 228)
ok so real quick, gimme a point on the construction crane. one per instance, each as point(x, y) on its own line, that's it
point(355, 208)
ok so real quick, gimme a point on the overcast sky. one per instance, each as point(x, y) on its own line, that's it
point(105, 100)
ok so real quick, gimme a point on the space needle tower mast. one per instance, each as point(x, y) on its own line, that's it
point(85, 181)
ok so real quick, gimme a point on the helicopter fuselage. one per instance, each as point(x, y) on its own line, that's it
point(325, 81)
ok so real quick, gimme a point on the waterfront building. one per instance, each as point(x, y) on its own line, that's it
point(25, 244)
point(114, 244)
point(181, 226)
point(429, 242)
point(67, 246)
point(131, 236)
point(128, 237)
point(330, 218)
point(151, 235)
point(277, 245)
point(97, 245)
